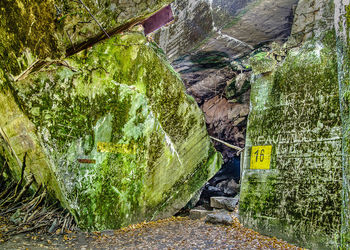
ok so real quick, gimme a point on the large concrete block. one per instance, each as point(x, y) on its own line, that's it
point(291, 184)
point(292, 179)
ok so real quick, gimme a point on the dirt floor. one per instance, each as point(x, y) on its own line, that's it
point(172, 233)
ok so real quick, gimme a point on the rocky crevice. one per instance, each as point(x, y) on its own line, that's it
point(215, 69)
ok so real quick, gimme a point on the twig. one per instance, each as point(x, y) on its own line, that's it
point(34, 215)
point(28, 230)
point(37, 191)
point(48, 214)
point(70, 223)
point(31, 203)
point(3, 168)
point(10, 210)
point(7, 195)
point(64, 222)
point(22, 172)
point(39, 200)
point(81, 1)
point(9, 187)
point(227, 144)
point(25, 188)
point(31, 217)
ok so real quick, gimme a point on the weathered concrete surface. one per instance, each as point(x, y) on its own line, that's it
point(295, 109)
point(222, 92)
point(197, 214)
point(110, 132)
point(342, 24)
point(312, 18)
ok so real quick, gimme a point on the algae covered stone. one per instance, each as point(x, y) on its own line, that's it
point(51, 29)
point(117, 132)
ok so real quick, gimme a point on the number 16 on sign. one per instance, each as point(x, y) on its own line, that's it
point(260, 157)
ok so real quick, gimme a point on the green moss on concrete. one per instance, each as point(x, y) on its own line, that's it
point(125, 141)
point(186, 187)
point(295, 108)
point(343, 50)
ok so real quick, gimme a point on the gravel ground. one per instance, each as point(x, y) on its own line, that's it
point(183, 233)
point(171, 233)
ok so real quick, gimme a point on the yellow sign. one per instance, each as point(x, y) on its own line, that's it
point(260, 157)
point(116, 148)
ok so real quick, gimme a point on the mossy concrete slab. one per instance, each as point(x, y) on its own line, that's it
point(295, 109)
point(342, 24)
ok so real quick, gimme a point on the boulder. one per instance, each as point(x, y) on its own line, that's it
point(208, 44)
point(109, 132)
point(238, 88)
point(230, 187)
point(53, 29)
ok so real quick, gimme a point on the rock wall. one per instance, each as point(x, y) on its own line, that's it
point(193, 22)
point(208, 44)
point(231, 27)
point(222, 92)
point(50, 29)
point(109, 130)
point(292, 179)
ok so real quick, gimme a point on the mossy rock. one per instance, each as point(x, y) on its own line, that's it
point(115, 131)
point(262, 63)
point(50, 29)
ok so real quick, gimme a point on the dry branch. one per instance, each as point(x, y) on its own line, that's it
point(25, 188)
point(228, 145)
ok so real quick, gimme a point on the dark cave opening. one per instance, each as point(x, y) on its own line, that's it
point(216, 71)
point(221, 87)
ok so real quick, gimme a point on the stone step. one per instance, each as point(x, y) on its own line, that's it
point(227, 203)
point(197, 214)
point(219, 218)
